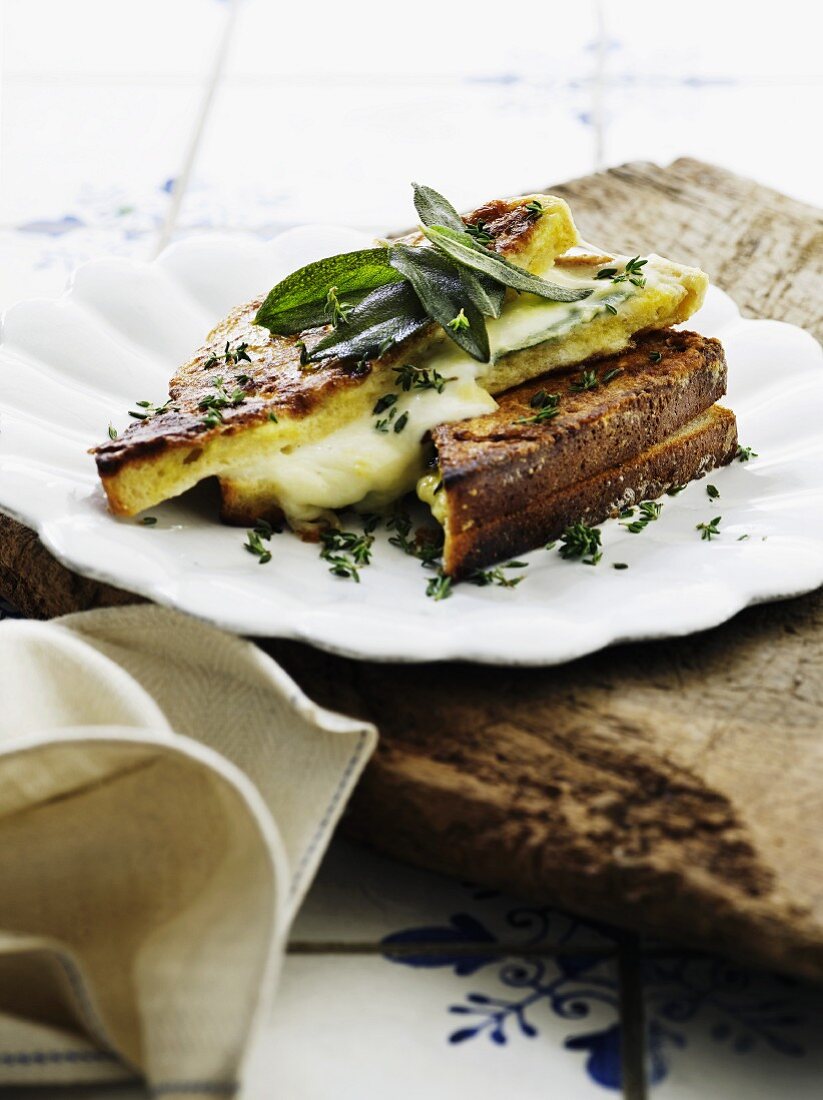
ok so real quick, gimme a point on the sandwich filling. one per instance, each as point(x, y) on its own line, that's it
point(296, 418)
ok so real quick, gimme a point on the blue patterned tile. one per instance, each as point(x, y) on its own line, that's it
point(360, 1027)
point(715, 1028)
point(362, 897)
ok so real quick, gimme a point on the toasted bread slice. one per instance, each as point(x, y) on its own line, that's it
point(508, 486)
point(302, 441)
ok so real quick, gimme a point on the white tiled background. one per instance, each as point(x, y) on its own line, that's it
point(276, 113)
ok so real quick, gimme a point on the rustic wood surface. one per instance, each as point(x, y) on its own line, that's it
point(672, 787)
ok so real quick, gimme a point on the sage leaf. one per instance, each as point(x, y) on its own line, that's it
point(463, 250)
point(299, 301)
point(440, 289)
point(385, 316)
point(433, 209)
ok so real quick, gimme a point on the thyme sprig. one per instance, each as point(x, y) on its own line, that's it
point(546, 405)
point(484, 577)
point(583, 542)
point(410, 377)
point(145, 409)
point(649, 511)
point(346, 552)
point(632, 272)
point(709, 530)
point(230, 356)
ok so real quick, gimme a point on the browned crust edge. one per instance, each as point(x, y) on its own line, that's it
point(477, 540)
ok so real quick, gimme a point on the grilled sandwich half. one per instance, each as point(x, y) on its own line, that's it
point(579, 445)
point(287, 437)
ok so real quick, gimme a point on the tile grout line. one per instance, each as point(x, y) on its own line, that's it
point(632, 1019)
point(183, 178)
point(469, 950)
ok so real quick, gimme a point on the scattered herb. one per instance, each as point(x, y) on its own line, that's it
point(384, 424)
point(384, 402)
point(550, 545)
point(112, 432)
point(484, 577)
point(149, 521)
point(546, 405)
point(535, 208)
point(145, 409)
point(346, 552)
point(459, 322)
point(336, 311)
point(214, 403)
point(439, 587)
point(745, 453)
point(273, 417)
point(742, 537)
point(401, 422)
point(254, 545)
point(479, 231)
point(581, 541)
point(674, 490)
point(624, 513)
point(632, 273)
point(649, 510)
point(610, 308)
point(619, 565)
point(710, 529)
point(655, 356)
point(588, 381)
point(410, 377)
point(712, 492)
point(610, 374)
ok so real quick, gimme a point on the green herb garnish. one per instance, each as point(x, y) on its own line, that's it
point(149, 521)
point(546, 405)
point(479, 231)
point(619, 565)
point(709, 530)
point(401, 422)
point(581, 541)
point(745, 453)
point(147, 409)
point(655, 356)
point(484, 577)
point(112, 432)
point(712, 492)
point(535, 208)
point(410, 377)
point(632, 272)
point(336, 311)
point(588, 381)
point(254, 545)
point(649, 510)
point(346, 552)
point(384, 402)
point(439, 587)
point(459, 322)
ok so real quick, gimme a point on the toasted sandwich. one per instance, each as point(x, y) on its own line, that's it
point(323, 395)
point(578, 445)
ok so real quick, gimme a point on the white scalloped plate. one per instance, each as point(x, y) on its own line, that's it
point(69, 367)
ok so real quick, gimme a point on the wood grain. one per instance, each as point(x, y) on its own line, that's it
point(674, 787)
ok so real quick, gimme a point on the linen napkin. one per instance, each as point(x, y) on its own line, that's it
point(166, 793)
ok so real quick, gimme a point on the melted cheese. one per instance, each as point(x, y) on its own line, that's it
point(359, 465)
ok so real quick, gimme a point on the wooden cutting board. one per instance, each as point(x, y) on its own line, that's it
point(674, 787)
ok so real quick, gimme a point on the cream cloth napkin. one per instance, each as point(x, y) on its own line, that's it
point(166, 793)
